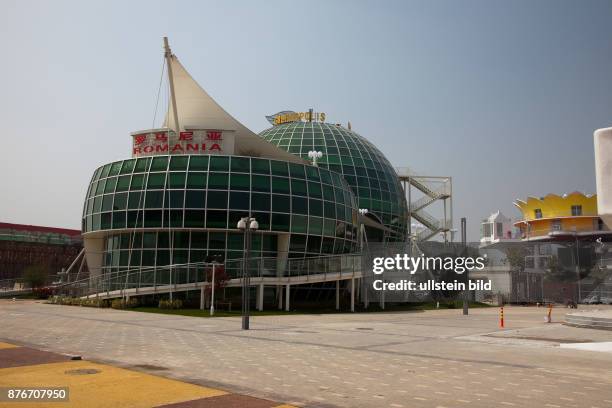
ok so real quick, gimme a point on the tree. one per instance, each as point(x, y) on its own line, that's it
point(516, 257)
point(35, 276)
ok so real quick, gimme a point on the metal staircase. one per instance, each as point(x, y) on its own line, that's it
point(433, 189)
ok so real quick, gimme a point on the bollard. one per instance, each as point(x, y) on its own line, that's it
point(549, 314)
point(501, 317)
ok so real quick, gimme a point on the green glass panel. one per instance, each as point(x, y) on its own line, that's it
point(194, 219)
point(240, 182)
point(298, 187)
point(156, 180)
point(280, 222)
point(195, 199)
point(329, 227)
point(105, 220)
point(297, 170)
point(153, 218)
point(315, 207)
point(154, 199)
point(216, 219)
point(261, 183)
point(119, 218)
point(279, 168)
point(217, 199)
point(123, 183)
point(198, 163)
point(107, 202)
point(196, 180)
point(260, 202)
point(120, 202)
point(135, 200)
point(299, 223)
point(97, 204)
point(216, 240)
point(176, 180)
point(137, 182)
point(314, 189)
point(260, 166)
point(100, 188)
point(218, 180)
point(299, 205)
point(174, 198)
point(128, 166)
point(280, 185)
point(235, 241)
point(159, 163)
point(179, 162)
point(219, 163)
point(281, 203)
point(115, 168)
point(239, 201)
point(142, 165)
point(240, 164)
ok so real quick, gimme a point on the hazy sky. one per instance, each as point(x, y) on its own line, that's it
point(501, 95)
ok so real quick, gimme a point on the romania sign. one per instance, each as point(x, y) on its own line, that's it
point(164, 142)
point(290, 116)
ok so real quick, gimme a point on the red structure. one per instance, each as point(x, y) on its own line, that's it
point(25, 245)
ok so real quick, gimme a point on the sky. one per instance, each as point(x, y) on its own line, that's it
point(503, 96)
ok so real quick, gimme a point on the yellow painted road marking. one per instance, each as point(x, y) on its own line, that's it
point(6, 345)
point(111, 387)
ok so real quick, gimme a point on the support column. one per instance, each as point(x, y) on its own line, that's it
point(260, 297)
point(337, 295)
point(202, 297)
point(352, 294)
point(287, 297)
point(279, 292)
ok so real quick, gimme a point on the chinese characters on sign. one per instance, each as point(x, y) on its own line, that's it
point(162, 142)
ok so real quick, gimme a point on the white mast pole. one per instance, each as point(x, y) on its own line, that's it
point(168, 55)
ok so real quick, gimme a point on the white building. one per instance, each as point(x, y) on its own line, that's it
point(497, 227)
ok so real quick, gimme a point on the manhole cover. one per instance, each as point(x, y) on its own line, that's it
point(150, 367)
point(82, 371)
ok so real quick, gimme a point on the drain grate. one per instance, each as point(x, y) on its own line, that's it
point(365, 328)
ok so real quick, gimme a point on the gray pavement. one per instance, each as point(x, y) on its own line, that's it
point(408, 359)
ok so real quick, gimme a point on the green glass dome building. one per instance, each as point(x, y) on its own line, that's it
point(368, 172)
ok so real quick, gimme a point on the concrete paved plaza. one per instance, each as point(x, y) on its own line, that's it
point(409, 359)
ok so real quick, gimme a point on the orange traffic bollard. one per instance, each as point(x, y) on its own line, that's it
point(501, 317)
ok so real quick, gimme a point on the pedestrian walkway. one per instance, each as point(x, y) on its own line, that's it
point(99, 385)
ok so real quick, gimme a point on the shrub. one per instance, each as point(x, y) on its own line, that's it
point(170, 304)
point(122, 304)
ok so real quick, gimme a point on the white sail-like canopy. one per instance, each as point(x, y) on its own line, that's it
point(198, 110)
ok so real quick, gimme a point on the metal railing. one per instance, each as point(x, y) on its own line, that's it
point(171, 276)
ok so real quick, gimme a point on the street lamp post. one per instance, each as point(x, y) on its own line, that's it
point(314, 155)
point(246, 224)
point(363, 212)
point(213, 262)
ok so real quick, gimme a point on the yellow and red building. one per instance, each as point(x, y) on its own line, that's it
point(558, 218)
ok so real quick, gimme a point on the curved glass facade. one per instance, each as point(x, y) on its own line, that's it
point(193, 203)
point(363, 166)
